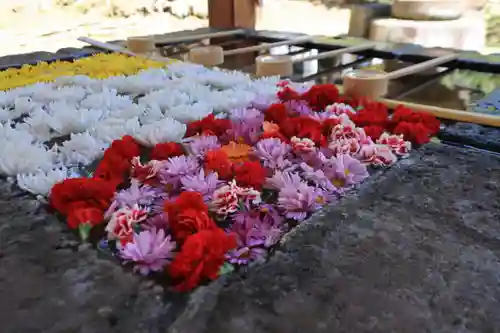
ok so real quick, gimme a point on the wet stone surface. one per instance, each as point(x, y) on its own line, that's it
point(416, 251)
point(473, 135)
point(51, 283)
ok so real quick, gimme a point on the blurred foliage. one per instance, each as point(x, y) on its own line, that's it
point(483, 82)
point(492, 16)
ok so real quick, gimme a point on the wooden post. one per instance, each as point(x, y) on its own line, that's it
point(232, 13)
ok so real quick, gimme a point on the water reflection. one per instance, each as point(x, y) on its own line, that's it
point(441, 87)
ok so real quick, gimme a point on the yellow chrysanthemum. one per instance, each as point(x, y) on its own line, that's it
point(99, 66)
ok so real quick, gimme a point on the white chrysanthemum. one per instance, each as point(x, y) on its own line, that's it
point(111, 129)
point(69, 95)
point(5, 114)
point(7, 98)
point(14, 134)
point(42, 182)
point(18, 158)
point(77, 80)
point(36, 125)
point(127, 111)
point(188, 113)
point(142, 83)
point(165, 98)
point(24, 105)
point(152, 113)
point(165, 130)
point(81, 148)
point(70, 120)
point(106, 100)
point(184, 69)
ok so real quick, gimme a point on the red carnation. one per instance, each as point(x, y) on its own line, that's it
point(371, 113)
point(113, 169)
point(163, 151)
point(185, 200)
point(250, 174)
point(288, 94)
point(218, 161)
point(416, 133)
point(81, 192)
point(116, 161)
point(374, 131)
point(276, 113)
point(126, 147)
point(190, 221)
point(328, 125)
point(304, 127)
point(402, 113)
point(91, 216)
point(201, 257)
point(321, 95)
point(208, 126)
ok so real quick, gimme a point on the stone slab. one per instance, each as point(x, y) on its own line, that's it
point(466, 33)
point(416, 251)
point(50, 283)
point(478, 136)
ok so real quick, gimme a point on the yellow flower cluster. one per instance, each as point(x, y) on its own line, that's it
point(99, 66)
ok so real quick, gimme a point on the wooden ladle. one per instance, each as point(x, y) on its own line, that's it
point(374, 84)
point(282, 65)
point(213, 55)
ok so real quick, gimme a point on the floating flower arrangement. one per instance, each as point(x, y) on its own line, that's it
point(199, 198)
point(65, 125)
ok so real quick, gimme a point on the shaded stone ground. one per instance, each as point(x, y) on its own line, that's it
point(416, 250)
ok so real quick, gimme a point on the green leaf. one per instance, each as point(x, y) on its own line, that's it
point(84, 231)
point(226, 269)
point(435, 139)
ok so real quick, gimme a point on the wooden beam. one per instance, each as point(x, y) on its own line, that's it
point(230, 14)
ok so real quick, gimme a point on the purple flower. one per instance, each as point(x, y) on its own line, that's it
point(158, 221)
point(348, 171)
point(150, 251)
point(263, 224)
point(206, 185)
point(318, 178)
point(136, 194)
point(200, 145)
point(270, 215)
point(273, 153)
point(246, 125)
point(300, 200)
point(246, 254)
point(176, 168)
point(300, 107)
point(281, 179)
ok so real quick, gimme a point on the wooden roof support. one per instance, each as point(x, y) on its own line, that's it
point(232, 13)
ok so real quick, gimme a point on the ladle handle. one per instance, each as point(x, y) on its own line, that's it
point(267, 46)
point(329, 54)
point(171, 40)
point(119, 49)
point(106, 46)
point(421, 67)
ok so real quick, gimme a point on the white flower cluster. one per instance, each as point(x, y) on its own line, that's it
point(48, 129)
